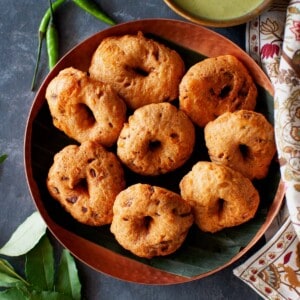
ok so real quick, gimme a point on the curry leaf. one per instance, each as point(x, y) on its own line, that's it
point(8, 281)
point(48, 295)
point(8, 276)
point(25, 237)
point(13, 294)
point(39, 266)
point(67, 281)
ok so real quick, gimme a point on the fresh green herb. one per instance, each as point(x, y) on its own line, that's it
point(25, 236)
point(42, 34)
point(52, 40)
point(13, 293)
point(93, 9)
point(40, 281)
point(3, 158)
point(8, 276)
point(39, 266)
point(67, 280)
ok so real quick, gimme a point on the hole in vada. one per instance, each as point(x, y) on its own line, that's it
point(221, 203)
point(154, 145)
point(87, 118)
point(147, 222)
point(140, 71)
point(225, 91)
point(82, 185)
point(244, 150)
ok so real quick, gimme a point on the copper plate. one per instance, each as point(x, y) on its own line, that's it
point(38, 158)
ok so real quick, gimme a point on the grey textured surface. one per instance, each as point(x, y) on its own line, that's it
point(19, 21)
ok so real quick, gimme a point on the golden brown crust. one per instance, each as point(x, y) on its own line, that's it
point(141, 70)
point(84, 108)
point(85, 179)
point(243, 140)
point(158, 138)
point(214, 86)
point(150, 221)
point(220, 197)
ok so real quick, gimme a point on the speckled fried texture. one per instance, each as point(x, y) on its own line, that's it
point(150, 221)
point(243, 140)
point(157, 139)
point(85, 109)
point(220, 197)
point(85, 180)
point(214, 86)
point(140, 69)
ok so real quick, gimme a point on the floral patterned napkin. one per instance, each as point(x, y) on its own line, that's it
point(273, 272)
point(273, 40)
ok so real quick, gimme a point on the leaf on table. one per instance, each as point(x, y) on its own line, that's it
point(13, 294)
point(8, 281)
point(25, 237)
point(8, 276)
point(39, 265)
point(67, 280)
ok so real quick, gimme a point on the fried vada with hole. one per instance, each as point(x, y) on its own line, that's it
point(220, 196)
point(84, 108)
point(158, 138)
point(214, 86)
point(243, 140)
point(140, 69)
point(150, 221)
point(85, 180)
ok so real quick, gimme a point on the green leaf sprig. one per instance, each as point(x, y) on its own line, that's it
point(3, 158)
point(25, 237)
point(42, 279)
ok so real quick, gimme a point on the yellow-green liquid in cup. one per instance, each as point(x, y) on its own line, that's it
point(218, 9)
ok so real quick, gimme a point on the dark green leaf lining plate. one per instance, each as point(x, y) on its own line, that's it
point(201, 254)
